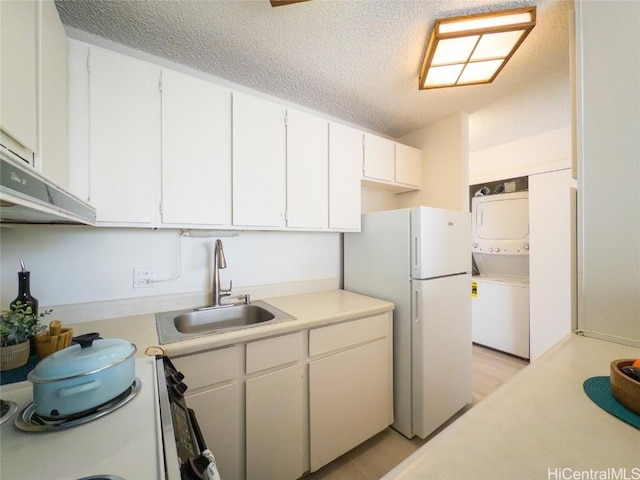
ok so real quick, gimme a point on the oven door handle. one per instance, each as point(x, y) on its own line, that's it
point(202, 446)
point(204, 465)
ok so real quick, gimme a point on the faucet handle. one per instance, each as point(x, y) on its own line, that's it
point(225, 292)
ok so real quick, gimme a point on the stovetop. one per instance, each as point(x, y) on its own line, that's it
point(7, 409)
point(126, 443)
point(29, 421)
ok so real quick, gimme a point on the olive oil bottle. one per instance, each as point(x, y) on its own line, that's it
point(24, 297)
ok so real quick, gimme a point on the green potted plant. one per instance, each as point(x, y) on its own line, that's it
point(17, 327)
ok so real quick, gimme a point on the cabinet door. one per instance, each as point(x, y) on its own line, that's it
point(214, 394)
point(307, 171)
point(379, 158)
point(124, 125)
point(408, 165)
point(18, 74)
point(54, 102)
point(218, 413)
point(196, 151)
point(345, 170)
point(349, 399)
point(259, 162)
point(275, 431)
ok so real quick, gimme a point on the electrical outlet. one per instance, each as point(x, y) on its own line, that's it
point(144, 277)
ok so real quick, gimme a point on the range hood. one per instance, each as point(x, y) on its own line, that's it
point(28, 197)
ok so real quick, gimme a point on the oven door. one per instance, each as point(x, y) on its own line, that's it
point(185, 452)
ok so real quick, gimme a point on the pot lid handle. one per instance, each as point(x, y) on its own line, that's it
point(86, 340)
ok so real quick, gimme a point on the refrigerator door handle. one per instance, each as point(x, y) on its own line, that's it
point(416, 306)
point(416, 251)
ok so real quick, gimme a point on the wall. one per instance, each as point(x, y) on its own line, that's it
point(542, 105)
point(445, 172)
point(75, 265)
point(377, 200)
point(550, 259)
point(608, 122)
point(542, 152)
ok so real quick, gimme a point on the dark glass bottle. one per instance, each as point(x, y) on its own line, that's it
point(24, 293)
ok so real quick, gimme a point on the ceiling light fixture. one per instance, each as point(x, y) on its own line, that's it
point(473, 49)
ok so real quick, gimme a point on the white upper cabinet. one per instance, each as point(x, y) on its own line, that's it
point(408, 165)
point(124, 126)
point(18, 81)
point(390, 165)
point(152, 147)
point(345, 170)
point(53, 74)
point(196, 151)
point(307, 171)
point(379, 154)
point(259, 162)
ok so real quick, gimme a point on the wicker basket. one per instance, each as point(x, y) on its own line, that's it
point(14, 356)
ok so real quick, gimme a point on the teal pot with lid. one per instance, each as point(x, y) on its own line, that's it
point(79, 378)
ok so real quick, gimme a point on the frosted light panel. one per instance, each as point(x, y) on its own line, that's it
point(484, 23)
point(479, 71)
point(473, 48)
point(496, 45)
point(454, 50)
point(446, 75)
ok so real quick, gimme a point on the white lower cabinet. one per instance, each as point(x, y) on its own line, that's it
point(275, 430)
point(350, 388)
point(275, 408)
point(279, 407)
point(214, 394)
point(218, 413)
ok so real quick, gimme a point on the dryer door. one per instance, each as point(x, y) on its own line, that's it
point(501, 217)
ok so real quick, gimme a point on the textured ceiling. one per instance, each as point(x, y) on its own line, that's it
point(356, 60)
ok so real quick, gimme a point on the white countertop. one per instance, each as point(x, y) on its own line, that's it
point(309, 310)
point(127, 442)
point(538, 425)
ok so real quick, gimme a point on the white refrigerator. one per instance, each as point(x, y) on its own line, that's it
point(419, 259)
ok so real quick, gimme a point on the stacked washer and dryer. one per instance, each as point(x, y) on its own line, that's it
point(500, 290)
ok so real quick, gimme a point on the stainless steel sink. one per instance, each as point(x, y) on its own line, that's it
point(183, 324)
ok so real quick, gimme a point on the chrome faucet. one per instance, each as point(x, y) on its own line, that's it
point(219, 262)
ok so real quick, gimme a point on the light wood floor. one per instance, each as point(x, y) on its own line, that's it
point(377, 456)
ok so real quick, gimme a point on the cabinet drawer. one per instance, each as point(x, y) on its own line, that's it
point(327, 339)
point(209, 368)
point(273, 352)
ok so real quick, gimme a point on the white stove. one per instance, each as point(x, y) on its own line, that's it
point(126, 442)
